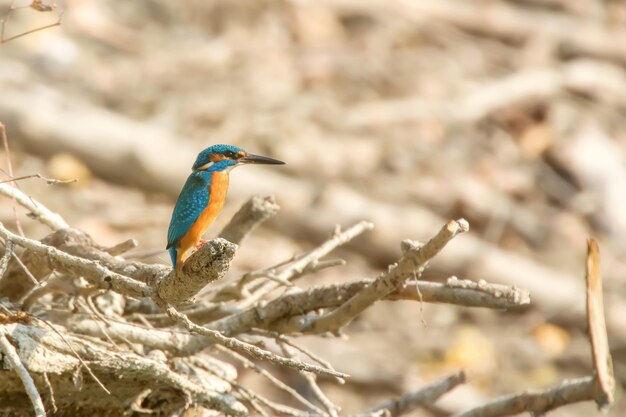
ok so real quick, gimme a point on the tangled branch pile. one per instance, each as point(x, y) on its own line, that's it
point(107, 336)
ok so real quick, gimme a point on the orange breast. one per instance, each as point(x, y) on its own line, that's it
point(219, 189)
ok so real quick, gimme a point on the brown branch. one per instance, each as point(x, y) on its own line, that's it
point(413, 262)
point(244, 347)
point(601, 355)
point(36, 210)
point(538, 402)
point(278, 314)
point(254, 212)
point(92, 271)
point(305, 262)
point(29, 385)
point(424, 396)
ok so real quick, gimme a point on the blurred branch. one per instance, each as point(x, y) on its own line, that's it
point(35, 5)
point(598, 338)
point(254, 212)
point(538, 402)
point(426, 395)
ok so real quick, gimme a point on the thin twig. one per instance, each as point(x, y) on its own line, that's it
point(49, 181)
point(414, 260)
point(275, 381)
point(425, 396)
point(37, 210)
point(29, 385)
point(332, 410)
point(243, 347)
point(50, 392)
point(69, 345)
point(5, 142)
point(295, 269)
point(4, 262)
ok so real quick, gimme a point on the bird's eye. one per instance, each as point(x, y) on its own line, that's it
point(229, 154)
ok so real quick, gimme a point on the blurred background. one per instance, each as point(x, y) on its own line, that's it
point(405, 112)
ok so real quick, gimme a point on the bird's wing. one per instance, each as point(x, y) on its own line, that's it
point(193, 198)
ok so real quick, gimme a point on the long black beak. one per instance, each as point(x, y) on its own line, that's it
point(258, 159)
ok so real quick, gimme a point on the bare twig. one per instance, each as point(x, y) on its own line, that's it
point(414, 259)
point(465, 293)
point(37, 210)
point(295, 269)
point(601, 355)
point(7, 148)
point(49, 181)
point(273, 380)
point(29, 385)
point(4, 262)
point(82, 362)
point(279, 313)
point(422, 397)
point(90, 270)
point(35, 5)
point(538, 402)
point(332, 410)
point(122, 247)
point(243, 347)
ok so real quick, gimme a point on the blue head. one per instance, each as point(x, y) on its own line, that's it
point(218, 158)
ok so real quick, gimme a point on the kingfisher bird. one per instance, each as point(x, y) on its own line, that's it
point(203, 196)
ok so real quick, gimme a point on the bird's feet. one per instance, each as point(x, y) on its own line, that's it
point(201, 242)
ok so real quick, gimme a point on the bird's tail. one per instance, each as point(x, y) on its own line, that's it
point(173, 255)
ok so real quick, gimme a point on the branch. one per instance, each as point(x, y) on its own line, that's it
point(46, 351)
point(277, 314)
point(538, 402)
point(254, 212)
point(37, 210)
point(296, 268)
point(29, 385)
point(209, 263)
point(600, 353)
point(92, 271)
point(422, 397)
point(464, 293)
point(4, 262)
point(413, 262)
point(244, 347)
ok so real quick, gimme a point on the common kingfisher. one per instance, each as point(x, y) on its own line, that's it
point(203, 196)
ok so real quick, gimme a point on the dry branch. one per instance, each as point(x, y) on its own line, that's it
point(254, 212)
point(411, 264)
point(424, 396)
point(35, 209)
point(124, 373)
point(243, 347)
point(92, 271)
point(538, 402)
point(29, 385)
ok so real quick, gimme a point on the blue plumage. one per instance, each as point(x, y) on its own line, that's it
point(204, 157)
point(193, 198)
